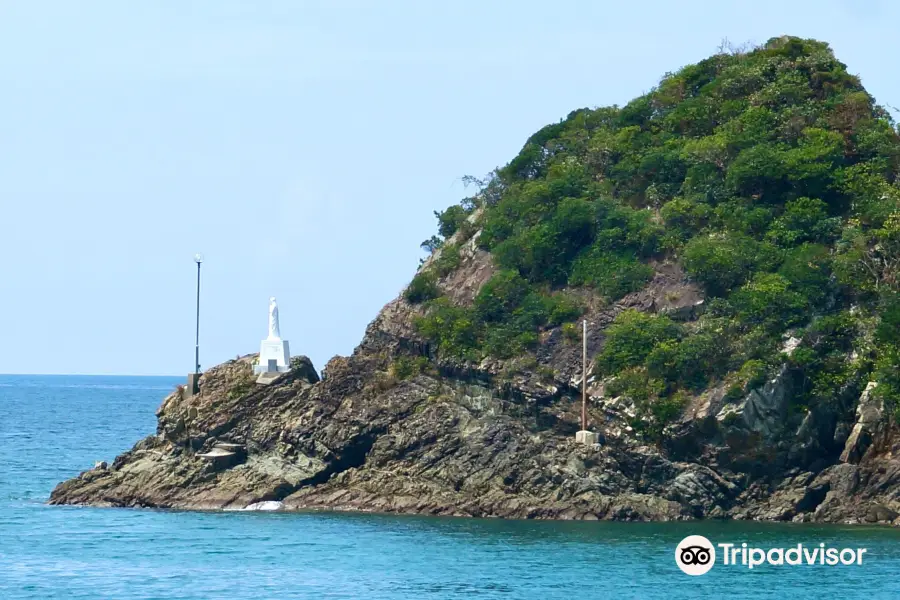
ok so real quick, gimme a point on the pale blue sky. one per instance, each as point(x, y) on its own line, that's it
point(301, 146)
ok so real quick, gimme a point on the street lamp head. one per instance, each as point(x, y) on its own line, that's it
point(198, 258)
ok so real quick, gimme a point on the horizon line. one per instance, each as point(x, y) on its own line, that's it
point(84, 375)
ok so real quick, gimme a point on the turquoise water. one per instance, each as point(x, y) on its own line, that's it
point(53, 427)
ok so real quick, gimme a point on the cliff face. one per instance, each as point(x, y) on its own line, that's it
point(496, 439)
point(733, 239)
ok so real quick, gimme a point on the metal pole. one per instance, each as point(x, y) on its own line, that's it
point(584, 378)
point(197, 337)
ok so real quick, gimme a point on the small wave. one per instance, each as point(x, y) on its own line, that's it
point(268, 505)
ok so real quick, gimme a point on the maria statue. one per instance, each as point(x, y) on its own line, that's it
point(274, 354)
point(274, 330)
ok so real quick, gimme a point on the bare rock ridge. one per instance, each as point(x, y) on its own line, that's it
point(495, 439)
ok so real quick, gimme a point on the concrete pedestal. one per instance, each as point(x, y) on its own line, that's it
point(274, 357)
point(588, 438)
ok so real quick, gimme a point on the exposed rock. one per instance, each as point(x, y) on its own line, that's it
point(702, 490)
point(790, 344)
point(869, 418)
point(880, 513)
point(762, 410)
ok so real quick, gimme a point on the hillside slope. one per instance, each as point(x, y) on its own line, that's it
point(732, 237)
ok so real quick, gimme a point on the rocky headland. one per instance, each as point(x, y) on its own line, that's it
point(733, 239)
point(498, 439)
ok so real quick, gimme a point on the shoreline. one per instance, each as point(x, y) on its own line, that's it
point(345, 511)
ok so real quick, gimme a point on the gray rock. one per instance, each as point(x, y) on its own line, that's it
point(880, 513)
point(869, 420)
point(762, 410)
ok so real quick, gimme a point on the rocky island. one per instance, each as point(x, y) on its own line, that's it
point(733, 240)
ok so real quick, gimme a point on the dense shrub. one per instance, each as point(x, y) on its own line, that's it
point(823, 363)
point(808, 269)
point(450, 220)
point(562, 309)
point(742, 217)
point(686, 218)
point(543, 252)
point(888, 329)
point(690, 362)
point(405, 367)
point(423, 287)
point(509, 339)
point(768, 299)
point(752, 374)
point(612, 275)
point(804, 220)
point(723, 262)
point(631, 338)
point(505, 319)
point(453, 329)
point(500, 296)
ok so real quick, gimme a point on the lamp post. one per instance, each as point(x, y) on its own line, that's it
point(198, 258)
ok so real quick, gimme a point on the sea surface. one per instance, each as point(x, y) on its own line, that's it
point(53, 427)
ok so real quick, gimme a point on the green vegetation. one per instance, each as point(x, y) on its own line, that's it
point(723, 261)
point(887, 363)
point(241, 388)
point(451, 220)
point(665, 350)
point(571, 332)
point(423, 287)
point(613, 275)
point(504, 320)
point(654, 407)
point(631, 339)
point(447, 261)
point(770, 176)
point(406, 367)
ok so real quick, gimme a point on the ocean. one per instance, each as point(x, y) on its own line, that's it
point(53, 427)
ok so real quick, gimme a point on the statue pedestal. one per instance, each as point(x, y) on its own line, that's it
point(588, 438)
point(274, 357)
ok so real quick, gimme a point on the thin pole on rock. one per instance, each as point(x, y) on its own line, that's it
point(197, 259)
point(584, 377)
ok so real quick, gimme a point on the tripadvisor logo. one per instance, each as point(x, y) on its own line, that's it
point(696, 555)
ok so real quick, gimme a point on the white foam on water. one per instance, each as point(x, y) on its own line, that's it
point(267, 505)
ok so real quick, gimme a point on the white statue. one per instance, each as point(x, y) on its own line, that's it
point(274, 353)
point(274, 329)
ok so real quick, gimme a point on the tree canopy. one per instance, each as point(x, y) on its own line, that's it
point(769, 175)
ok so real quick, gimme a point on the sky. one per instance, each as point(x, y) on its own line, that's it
point(302, 147)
